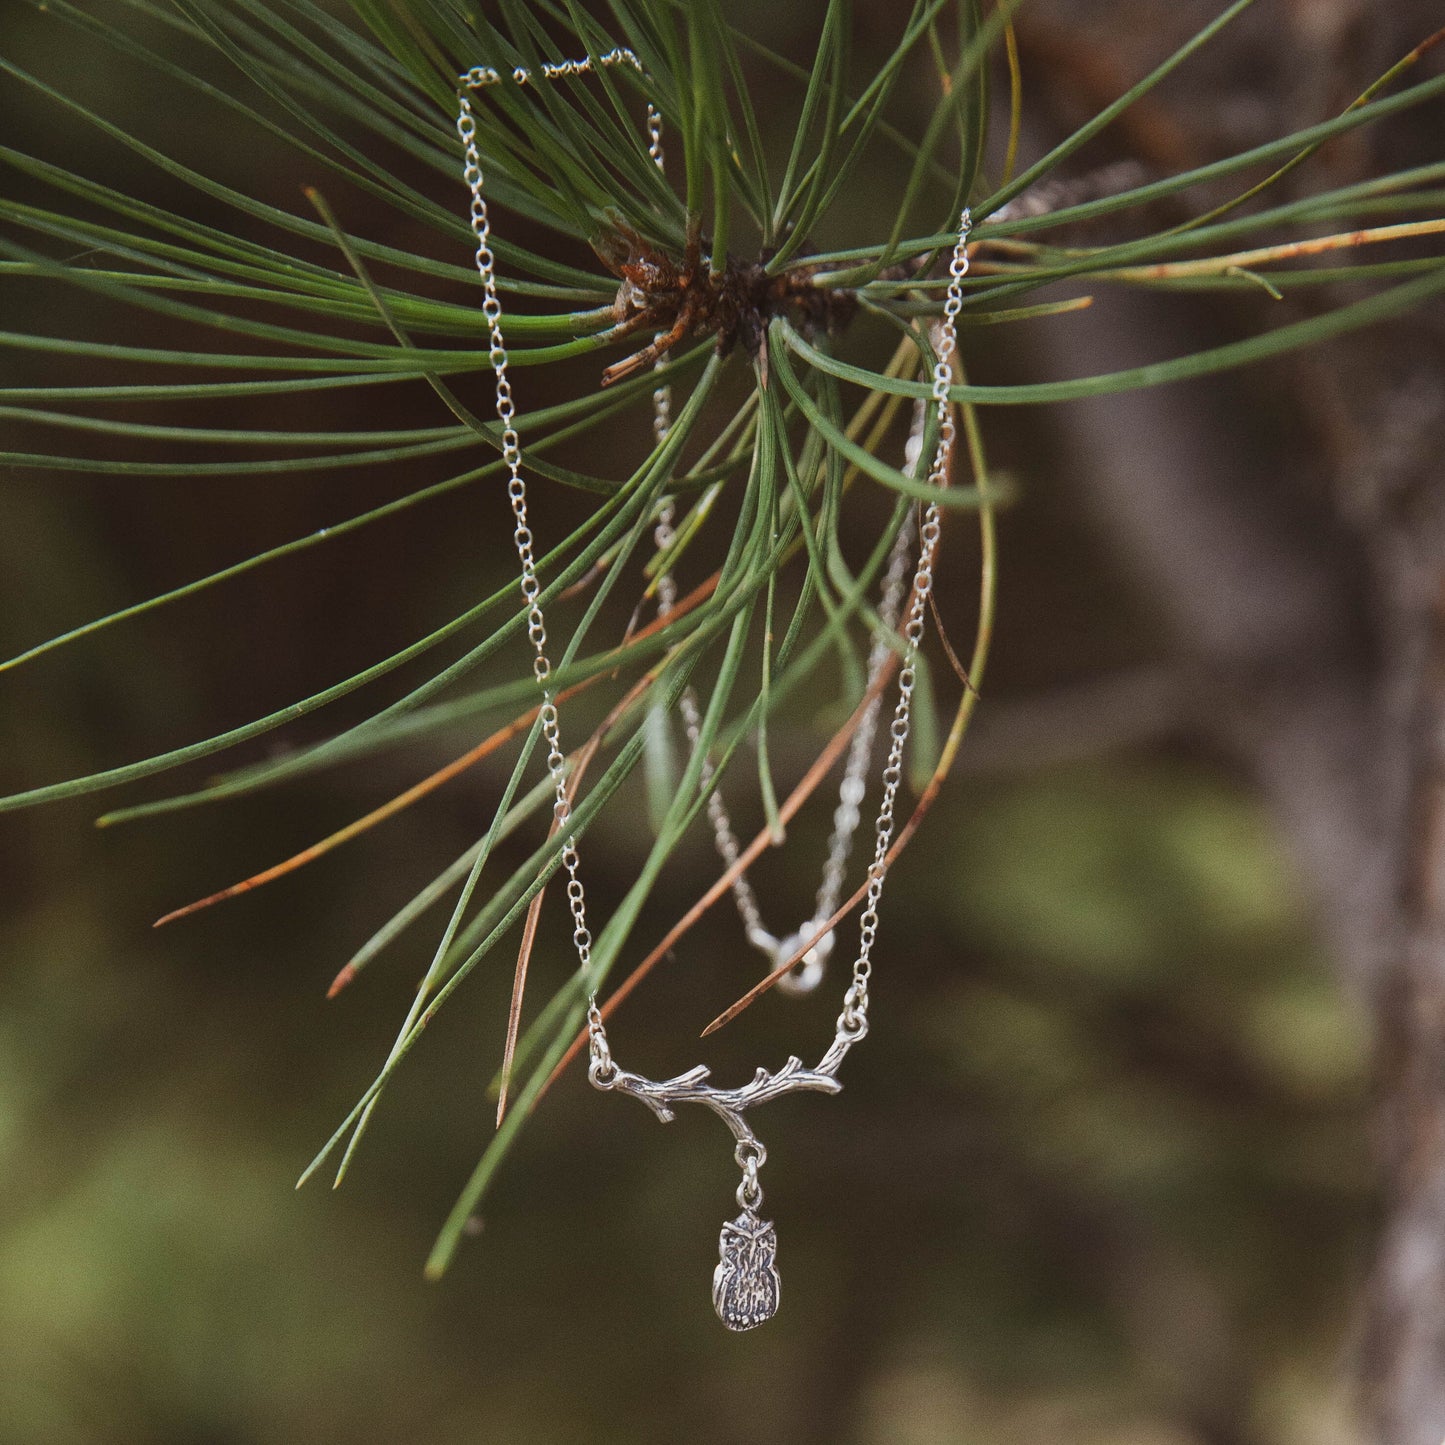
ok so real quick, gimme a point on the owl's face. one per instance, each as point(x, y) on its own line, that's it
point(746, 1286)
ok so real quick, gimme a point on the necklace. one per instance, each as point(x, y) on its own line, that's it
point(807, 973)
point(746, 1283)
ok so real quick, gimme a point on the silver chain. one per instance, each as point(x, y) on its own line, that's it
point(855, 1002)
point(852, 1021)
point(662, 538)
point(809, 970)
point(481, 76)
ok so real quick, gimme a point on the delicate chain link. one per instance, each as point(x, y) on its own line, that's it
point(852, 789)
point(852, 1021)
point(476, 78)
point(662, 538)
point(480, 76)
point(654, 132)
point(855, 1004)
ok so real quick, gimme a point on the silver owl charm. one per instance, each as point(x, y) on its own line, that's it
point(746, 1285)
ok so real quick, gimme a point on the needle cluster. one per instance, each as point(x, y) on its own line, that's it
point(681, 296)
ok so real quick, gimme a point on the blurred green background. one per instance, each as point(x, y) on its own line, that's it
point(1100, 1175)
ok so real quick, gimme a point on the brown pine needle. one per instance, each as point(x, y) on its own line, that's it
point(1287, 251)
point(699, 594)
point(360, 825)
point(1015, 99)
point(405, 799)
point(946, 643)
point(795, 800)
point(519, 986)
point(765, 983)
point(584, 758)
point(593, 574)
point(925, 802)
point(983, 637)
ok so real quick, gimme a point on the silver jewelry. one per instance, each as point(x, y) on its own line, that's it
point(808, 972)
point(746, 1284)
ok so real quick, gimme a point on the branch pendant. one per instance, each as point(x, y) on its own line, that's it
point(746, 1286)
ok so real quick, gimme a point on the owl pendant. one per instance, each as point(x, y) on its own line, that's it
point(746, 1285)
